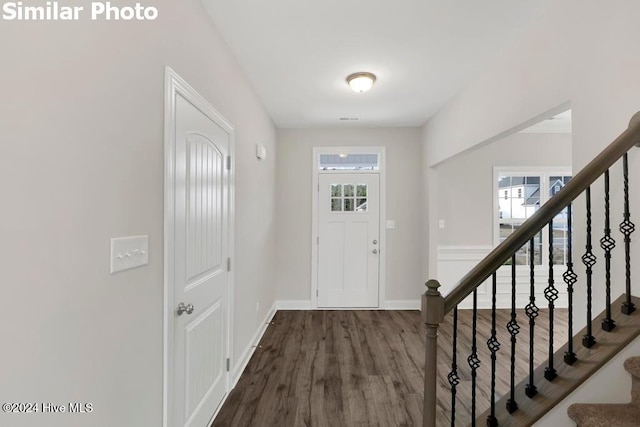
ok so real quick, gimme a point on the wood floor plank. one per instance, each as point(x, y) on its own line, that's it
point(365, 368)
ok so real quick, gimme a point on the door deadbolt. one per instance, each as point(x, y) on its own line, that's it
point(375, 242)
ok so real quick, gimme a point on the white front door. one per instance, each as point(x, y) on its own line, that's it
point(201, 233)
point(348, 239)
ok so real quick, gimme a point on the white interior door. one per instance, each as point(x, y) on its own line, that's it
point(348, 239)
point(201, 194)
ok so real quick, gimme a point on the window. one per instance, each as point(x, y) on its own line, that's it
point(533, 188)
point(349, 162)
point(348, 197)
point(560, 230)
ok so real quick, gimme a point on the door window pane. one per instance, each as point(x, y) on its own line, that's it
point(348, 205)
point(348, 197)
point(348, 190)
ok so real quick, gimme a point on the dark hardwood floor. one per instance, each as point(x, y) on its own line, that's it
point(365, 368)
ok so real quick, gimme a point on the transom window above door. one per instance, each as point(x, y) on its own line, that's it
point(356, 161)
point(348, 197)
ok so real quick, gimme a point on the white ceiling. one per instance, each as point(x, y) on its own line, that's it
point(297, 53)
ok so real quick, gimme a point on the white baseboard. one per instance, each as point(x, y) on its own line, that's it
point(294, 305)
point(243, 361)
point(402, 304)
point(387, 305)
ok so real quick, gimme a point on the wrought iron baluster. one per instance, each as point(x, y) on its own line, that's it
point(513, 329)
point(453, 378)
point(570, 278)
point(473, 360)
point(589, 260)
point(551, 294)
point(626, 228)
point(494, 346)
point(532, 312)
point(607, 243)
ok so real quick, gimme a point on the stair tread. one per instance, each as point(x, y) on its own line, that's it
point(632, 365)
point(608, 344)
point(604, 414)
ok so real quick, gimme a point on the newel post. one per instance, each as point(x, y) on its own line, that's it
point(432, 315)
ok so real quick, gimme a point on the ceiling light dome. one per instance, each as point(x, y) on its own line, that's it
point(361, 82)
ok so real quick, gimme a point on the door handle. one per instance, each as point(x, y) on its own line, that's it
point(184, 309)
point(375, 251)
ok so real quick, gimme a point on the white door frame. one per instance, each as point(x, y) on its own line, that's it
point(381, 151)
point(175, 85)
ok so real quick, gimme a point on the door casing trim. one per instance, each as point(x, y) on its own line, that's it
point(174, 85)
point(381, 151)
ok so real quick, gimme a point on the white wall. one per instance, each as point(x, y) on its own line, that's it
point(465, 203)
point(404, 279)
point(81, 161)
point(580, 53)
point(465, 182)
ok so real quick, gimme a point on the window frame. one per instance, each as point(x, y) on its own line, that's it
point(544, 172)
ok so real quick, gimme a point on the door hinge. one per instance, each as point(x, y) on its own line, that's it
point(228, 163)
point(229, 264)
point(318, 240)
point(228, 364)
point(317, 294)
point(318, 187)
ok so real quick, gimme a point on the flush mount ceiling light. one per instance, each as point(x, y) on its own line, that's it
point(361, 82)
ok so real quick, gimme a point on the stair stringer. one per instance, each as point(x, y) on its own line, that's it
point(610, 384)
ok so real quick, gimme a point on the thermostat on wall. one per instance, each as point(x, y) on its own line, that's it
point(261, 151)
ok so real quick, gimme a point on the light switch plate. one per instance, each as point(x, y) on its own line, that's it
point(129, 252)
point(391, 224)
point(441, 224)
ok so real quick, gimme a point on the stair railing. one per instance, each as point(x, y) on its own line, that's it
point(435, 306)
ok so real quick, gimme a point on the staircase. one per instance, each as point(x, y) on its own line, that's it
point(586, 351)
point(570, 377)
point(612, 414)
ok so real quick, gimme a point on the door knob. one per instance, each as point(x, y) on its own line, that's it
point(375, 251)
point(184, 309)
